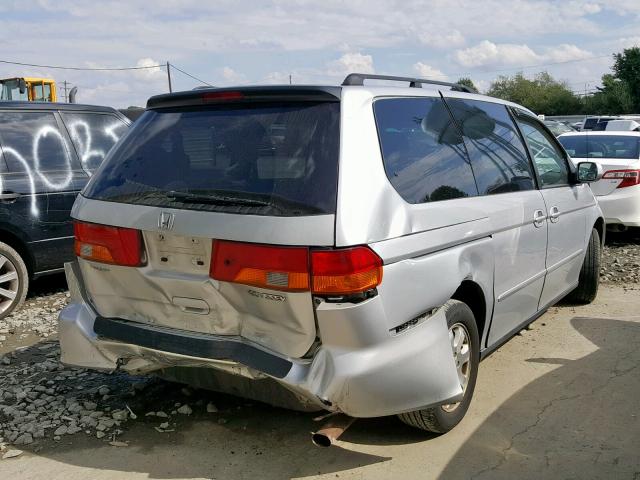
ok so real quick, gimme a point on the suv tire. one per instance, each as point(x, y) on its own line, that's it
point(589, 279)
point(14, 280)
point(443, 418)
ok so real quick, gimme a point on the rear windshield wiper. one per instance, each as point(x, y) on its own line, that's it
point(216, 199)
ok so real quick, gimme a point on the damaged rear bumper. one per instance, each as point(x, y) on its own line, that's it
point(390, 375)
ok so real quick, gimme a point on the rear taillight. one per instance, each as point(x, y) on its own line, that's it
point(629, 177)
point(278, 268)
point(106, 244)
point(323, 272)
point(347, 271)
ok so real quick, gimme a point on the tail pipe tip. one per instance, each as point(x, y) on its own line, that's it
point(331, 430)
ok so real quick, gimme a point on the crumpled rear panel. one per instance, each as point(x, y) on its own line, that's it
point(174, 290)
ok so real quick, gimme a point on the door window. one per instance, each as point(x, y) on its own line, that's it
point(423, 151)
point(498, 156)
point(548, 158)
point(93, 135)
point(32, 142)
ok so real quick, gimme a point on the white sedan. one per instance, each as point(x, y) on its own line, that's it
point(618, 191)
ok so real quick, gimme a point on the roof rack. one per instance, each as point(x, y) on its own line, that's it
point(357, 79)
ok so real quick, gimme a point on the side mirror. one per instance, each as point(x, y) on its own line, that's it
point(588, 172)
point(22, 86)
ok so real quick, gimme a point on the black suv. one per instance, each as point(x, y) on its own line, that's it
point(48, 153)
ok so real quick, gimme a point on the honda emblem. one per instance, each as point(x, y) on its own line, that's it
point(165, 220)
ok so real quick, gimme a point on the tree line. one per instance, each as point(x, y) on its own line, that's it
point(619, 93)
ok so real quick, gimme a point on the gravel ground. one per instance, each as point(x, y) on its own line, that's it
point(621, 258)
point(42, 401)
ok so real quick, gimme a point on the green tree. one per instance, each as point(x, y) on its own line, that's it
point(626, 68)
point(543, 94)
point(467, 82)
point(614, 97)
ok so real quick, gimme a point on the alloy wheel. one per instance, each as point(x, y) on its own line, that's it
point(9, 283)
point(461, 347)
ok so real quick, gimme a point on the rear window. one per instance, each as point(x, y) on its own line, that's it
point(278, 160)
point(601, 146)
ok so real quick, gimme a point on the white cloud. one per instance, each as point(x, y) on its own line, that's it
point(351, 63)
point(489, 54)
point(427, 71)
point(565, 53)
point(448, 40)
point(231, 76)
point(151, 71)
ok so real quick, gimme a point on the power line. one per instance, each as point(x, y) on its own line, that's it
point(173, 65)
point(111, 69)
point(530, 66)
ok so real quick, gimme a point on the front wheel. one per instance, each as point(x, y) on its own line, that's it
point(465, 343)
point(589, 279)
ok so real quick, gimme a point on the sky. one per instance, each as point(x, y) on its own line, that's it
point(247, 42)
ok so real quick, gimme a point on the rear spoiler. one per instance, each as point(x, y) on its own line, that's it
point(223, 96)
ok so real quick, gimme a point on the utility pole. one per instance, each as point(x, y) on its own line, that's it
point(64, 83)
point(169, 75)
point(289, 79)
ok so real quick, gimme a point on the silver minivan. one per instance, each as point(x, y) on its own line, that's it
point(357, 249)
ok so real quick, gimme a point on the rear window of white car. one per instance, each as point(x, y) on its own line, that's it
point(602, 146)
point(262, 159)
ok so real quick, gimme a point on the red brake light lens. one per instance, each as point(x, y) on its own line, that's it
point(323, 272)
point(629, 177)
point(222, 96)
point(106, 244)
point(345, 271)
point(266, 266)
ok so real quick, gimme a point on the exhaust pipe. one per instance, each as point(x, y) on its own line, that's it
point(331, 430)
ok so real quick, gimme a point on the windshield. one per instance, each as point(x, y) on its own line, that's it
point(602, 146)
point(279, 160)
point(557, 128)
point(11, 91)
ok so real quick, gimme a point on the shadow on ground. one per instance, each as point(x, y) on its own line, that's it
point(621, 239)
point(579, 421)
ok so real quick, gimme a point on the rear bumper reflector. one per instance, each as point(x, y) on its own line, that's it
point(192, 344)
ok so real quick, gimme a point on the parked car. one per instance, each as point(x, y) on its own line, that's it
point(558, 128)
point(49, 152)
point(596, 123)
point(623, 126)
point(618, 154)
point(356, 249)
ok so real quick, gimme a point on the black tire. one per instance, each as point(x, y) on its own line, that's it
point(437, 419)
point(589, 279)
point(14, 280)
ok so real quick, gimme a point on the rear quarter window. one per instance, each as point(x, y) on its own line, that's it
point(422, 149)
point(93, 135)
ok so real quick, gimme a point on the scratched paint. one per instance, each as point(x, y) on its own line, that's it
point(81, 135)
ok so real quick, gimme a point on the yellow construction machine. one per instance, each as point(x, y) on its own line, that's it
point(31, 89)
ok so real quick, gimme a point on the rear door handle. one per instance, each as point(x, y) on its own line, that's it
point(554, 214)
point(538, 218)
point(9, 197)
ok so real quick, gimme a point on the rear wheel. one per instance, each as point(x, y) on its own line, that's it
point(14, 280)
point(589, 279)
point(465, 343)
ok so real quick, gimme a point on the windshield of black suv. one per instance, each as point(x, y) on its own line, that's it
point(260, 159)
point(602, 146)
